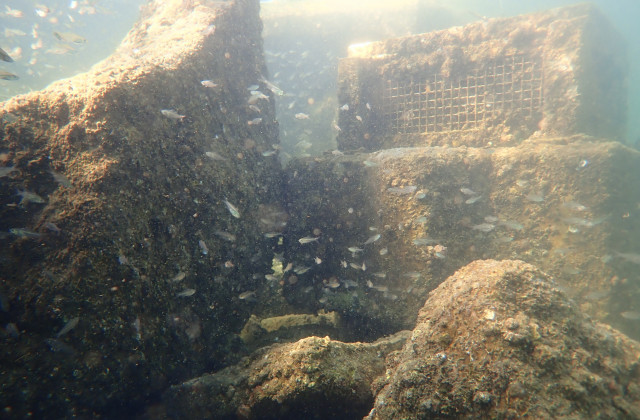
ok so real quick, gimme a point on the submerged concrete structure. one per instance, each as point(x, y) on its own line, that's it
point(493, 82)
point(152, 238)
point(134, 213)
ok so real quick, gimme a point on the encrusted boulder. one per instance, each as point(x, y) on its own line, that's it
point(134, 211)
point(499, 340)
point(313, 378)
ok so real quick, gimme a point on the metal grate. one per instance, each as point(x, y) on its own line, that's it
point(437, 103)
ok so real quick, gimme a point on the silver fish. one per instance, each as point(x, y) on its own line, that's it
point(60, 179)
point(225, 235)
point(468, 191)
point(308, 239)
point(186, 293)
point(484, 227)
point(301, 116)
point(473, 199)
point(372, 239)
point(68, 327)
point(5, 75)
point(248, 295)
point(208, 84)
point(172, 114)
point(409, 189)
point(273, 88)
point(5, 57)
point(232, 209)
point(203, 247)
point(214, 156)
point(536, 198)
point(632, 315)
point(29, 197)
point(424, 241)
point(70, 37)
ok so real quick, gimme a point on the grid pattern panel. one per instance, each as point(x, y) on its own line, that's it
point(436, 103)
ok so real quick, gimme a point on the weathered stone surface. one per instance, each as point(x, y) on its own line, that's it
point(284, 328)
point(131, 242)
point(314, 378)
point(499, 340)
point(496, 81)
point(527, 198)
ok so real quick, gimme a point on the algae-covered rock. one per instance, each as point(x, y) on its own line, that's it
point(144, 196)
point(499, 340)
point(394, 224)
point(314, 378)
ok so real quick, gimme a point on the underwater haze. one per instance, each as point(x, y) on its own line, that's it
point(313, 209)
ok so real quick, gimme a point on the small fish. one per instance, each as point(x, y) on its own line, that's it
point(208, 84)
point(354, 249)
point(424, 241)
point(70, 37)
point(214, 156)
point(178, 277)
point(71, 324)
point(467, 191)
point(225, 235)
point(344, 107)
point(14, 12)
point(356, 266)
point(232, 209)
point(186, 293)
point(5, 75)
point(631, 315)
point(484, 227)
point(409, 189)
point(60, 179)
point(271, 277)
point(301, 269)
point(301, 116)
point(332, 283)
point(336, 127)
point(415, 275)
point(273, 88)
point(372, 239)
point(256, 95)
point(270, 235)
point(5, 57)
point(248, 295)
point(6, 170)
point(203, 247)
point(269, 153)
point(254, 121)
point(317, 260)
point(52, 227)
point(574, 206)
point(308, 239)
point(473, 199)
point(369, 164)
point(632, 258)
point(29, 197)
point(172, 114)
point(383, 251)
point(536, 198)
point(511, 224)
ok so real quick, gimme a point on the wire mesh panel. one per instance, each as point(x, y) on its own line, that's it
point(437, 103)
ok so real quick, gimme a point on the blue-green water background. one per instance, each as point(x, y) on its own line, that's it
point(105, 22)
